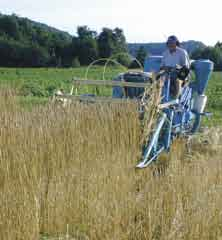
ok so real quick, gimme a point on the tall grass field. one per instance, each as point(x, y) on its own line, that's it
point(69, 173)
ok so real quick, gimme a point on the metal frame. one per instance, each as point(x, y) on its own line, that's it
point(176, 118)
point(78, 82)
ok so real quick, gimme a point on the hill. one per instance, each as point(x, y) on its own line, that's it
point(26, 43)
point(158, 48)
point(25, 27)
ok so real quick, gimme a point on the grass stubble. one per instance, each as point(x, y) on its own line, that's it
point(68, 173)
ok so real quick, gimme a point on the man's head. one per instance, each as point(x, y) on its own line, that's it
point(172, 43)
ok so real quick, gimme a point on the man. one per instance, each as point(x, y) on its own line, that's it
point(175, 56)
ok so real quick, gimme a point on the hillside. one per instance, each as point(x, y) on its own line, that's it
point(25, 27)
point(25, 43)
point(158, 48)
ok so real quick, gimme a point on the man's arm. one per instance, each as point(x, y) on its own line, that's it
point(185, 60)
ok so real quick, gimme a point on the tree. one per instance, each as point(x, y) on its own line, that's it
point(84, 32)
point(106, 43)
point(24, 43)
point(35, 56)
point(88, 51)
point(119, 41)
point(113, 43)
point(141, 55)
point(84, 46)
point(219, 44)
point(9, 25)
point(212, 53)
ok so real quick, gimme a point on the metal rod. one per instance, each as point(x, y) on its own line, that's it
point(168, 104)
point(97, 99)
point(145, 161)
point(110, 83)
point(152, 159)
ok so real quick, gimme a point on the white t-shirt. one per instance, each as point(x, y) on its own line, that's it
point(178, 57)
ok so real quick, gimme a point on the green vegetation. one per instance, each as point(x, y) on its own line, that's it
point(42, 82)
point(25, 43)
point(37, 85)
point(212, 53)
point(214, 94)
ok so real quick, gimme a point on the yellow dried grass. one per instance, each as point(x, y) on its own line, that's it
point(70, 173)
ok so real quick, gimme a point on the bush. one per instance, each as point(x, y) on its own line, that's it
point(124, 60)
point(51, 89)
point(32, 89)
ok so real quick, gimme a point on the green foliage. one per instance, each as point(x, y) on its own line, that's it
point(32, 89)
point(42, 82)
point(214, 104)
point(9, 26)
point(124, 59)
point(141, 55)
point(111, 42)
point(212, 53)
point(24, 43)
point(87, 50)
point(106, 43)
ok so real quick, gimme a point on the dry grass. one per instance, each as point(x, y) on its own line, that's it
point(70, 172)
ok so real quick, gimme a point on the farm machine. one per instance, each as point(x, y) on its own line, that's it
point(179, 112)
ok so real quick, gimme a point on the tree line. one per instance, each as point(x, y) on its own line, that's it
point(24, 43)
point(213, 53)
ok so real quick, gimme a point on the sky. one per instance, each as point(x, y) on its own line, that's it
point(141, 20)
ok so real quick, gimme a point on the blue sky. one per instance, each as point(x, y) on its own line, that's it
point(141, 20)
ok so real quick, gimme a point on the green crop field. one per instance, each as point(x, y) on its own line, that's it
point(43, 81)
point(214, 93)
point(37, 85)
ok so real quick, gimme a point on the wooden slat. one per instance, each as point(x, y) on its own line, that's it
point(110, 83)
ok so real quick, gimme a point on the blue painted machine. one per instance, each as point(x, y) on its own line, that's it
point(179, 114)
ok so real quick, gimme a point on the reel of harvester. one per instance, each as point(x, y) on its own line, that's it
point(177, 102)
